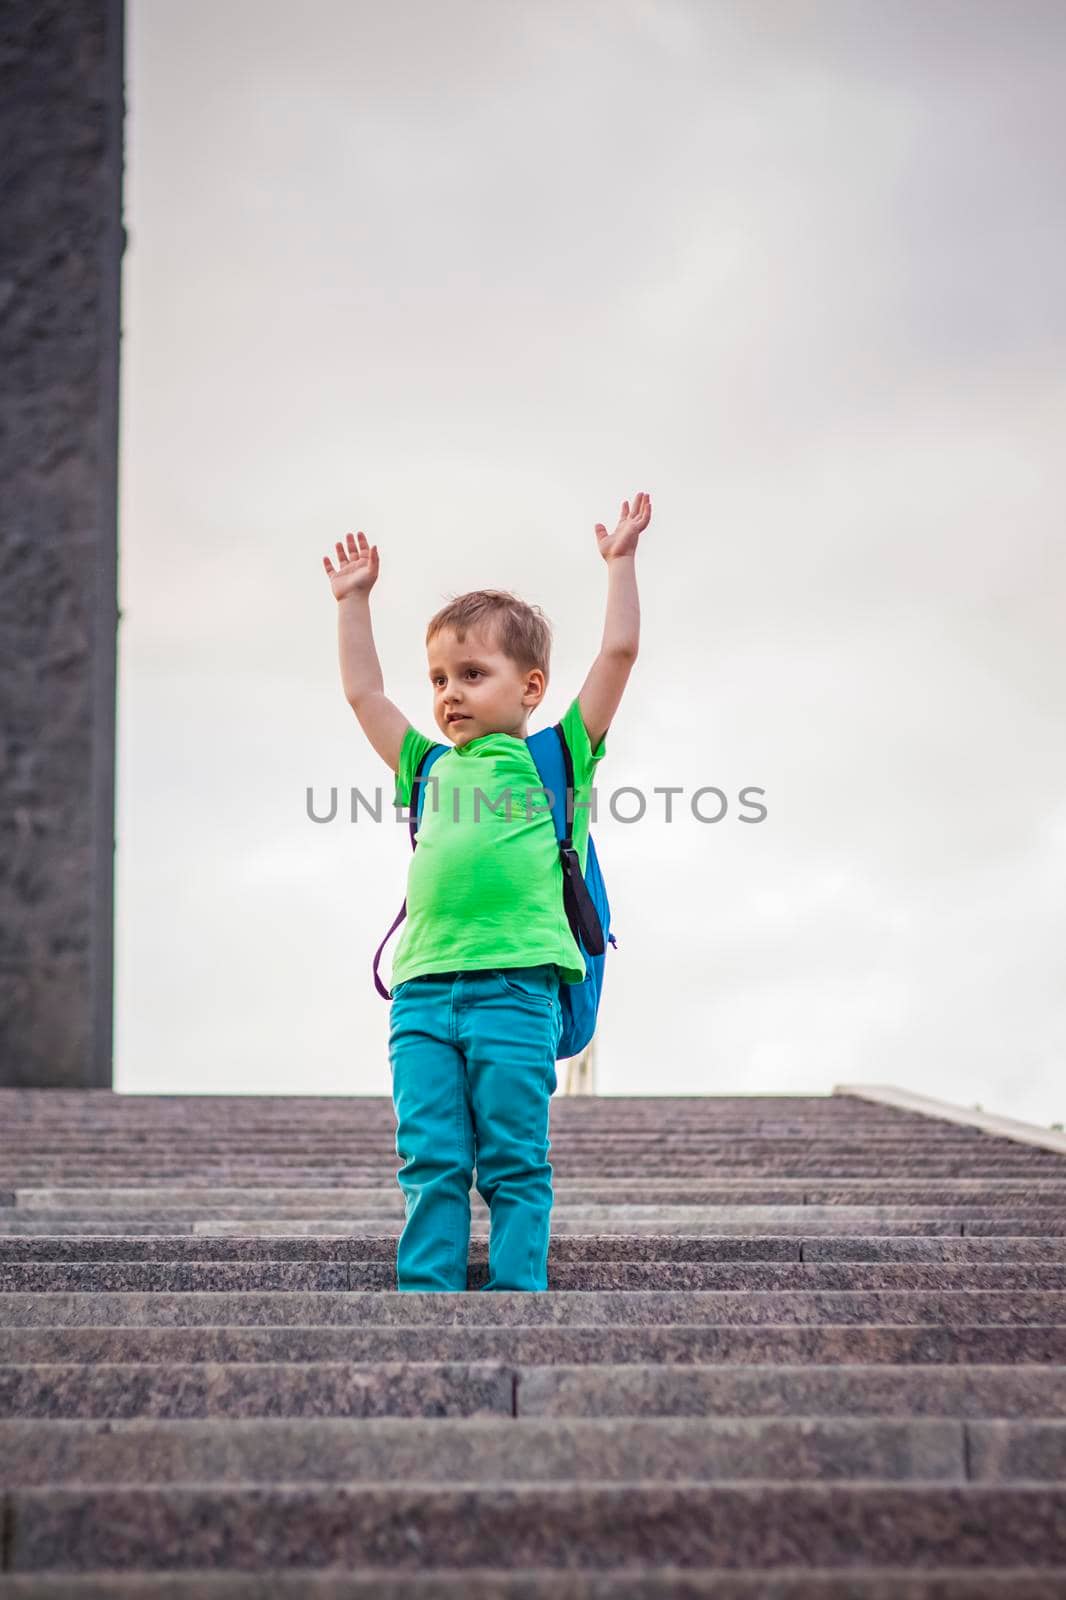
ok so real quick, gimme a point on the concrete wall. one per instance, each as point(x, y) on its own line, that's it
point(61, 244)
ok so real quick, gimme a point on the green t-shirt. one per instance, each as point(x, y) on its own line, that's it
point(484, 890)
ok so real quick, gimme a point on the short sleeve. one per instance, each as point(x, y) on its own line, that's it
point(585, 759)
point(412, 750)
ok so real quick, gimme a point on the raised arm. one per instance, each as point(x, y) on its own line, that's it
point(364, 687)
point(602, 691)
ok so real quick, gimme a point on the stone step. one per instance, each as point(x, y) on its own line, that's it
point(152, 1163)
point(382, 1175)
point(356, 1121)
point(837, 1115)
point(968, 1161)
point(562, 1249)
point(246, 1116)
point(1010, 1248)
point(963, 1391)
point(677, 1343)
point(364, 1231)
point(1005, 1225)
point(1017, 1224)
point(732, 1173)
point(263, 1389)
point(857, 1218)
point(598, 1308)
point(356, 1130)
point(918, 1390)
point(343, 1197)
point(724, 1181)
point(570, 1524)
point(359, 1117)
point(613, 1181)
point(528, 1450)
point(354, 1144)
point(353, 1125)
point(189, 1276)
point(693, 1197)
point(363, 1116)
point(145, 1156)
point(653, 1165)
point(703, 1165)
point(319, 1183)
point(356, 1447)
point(14, 1224)
point(555, 1583)
point(381, 1421)
point(567, 1192)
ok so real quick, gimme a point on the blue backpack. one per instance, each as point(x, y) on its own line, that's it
point(584, 894)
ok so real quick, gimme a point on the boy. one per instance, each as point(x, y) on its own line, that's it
point(475, 1019)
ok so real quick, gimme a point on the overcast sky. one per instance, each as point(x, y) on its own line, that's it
point(464, 276)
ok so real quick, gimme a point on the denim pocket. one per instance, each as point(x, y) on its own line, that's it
point(538, 984)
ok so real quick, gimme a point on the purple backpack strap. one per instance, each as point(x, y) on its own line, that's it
point(377, 959)
point(412, 825)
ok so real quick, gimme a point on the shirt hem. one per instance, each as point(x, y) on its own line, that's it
point(481, 965)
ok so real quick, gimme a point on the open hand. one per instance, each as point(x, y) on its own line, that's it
point(631, 524)
point(358, 571)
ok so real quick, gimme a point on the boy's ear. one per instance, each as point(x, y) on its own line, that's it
point(534, 683)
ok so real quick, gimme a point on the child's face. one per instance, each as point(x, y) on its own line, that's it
point(490, 691)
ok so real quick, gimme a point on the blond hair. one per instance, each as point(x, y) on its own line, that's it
point(517, 630)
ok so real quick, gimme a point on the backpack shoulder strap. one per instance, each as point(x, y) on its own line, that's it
point(552, 760)
point(419, 790)
point(419, 787)
point(555, 765)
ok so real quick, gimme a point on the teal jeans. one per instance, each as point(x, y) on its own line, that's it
point(472, 1056)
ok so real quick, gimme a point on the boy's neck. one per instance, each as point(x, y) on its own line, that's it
point(523, 734)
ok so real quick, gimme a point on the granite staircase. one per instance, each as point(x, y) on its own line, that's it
point(792, 1347)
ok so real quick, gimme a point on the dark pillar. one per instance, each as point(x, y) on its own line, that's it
point(61, 244)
